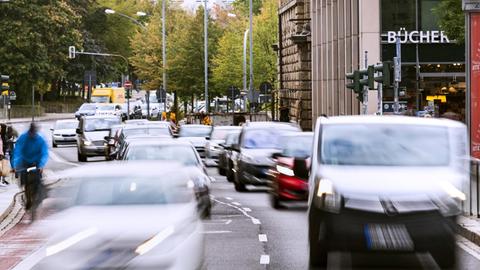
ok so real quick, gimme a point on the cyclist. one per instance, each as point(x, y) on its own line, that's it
point(31, 150)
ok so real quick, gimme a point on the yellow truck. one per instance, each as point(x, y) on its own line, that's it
point(108, 95)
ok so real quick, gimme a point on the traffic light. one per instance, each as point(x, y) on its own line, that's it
point(355, 84)
point(128, 93)
point(370, 80)
point(4, 83)
point(386, 69)
point(71, 52)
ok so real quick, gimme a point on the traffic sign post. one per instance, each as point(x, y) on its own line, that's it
point(128, 85)
point(397, 64)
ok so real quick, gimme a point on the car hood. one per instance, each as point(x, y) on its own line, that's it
point(391, 182)
point(64, 131)
point(96, 135)
point(261, 157)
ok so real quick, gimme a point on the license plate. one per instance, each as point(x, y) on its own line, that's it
point(388, 237)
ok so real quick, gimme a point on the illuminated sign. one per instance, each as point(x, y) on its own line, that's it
point(442, 98)
point(417, 36)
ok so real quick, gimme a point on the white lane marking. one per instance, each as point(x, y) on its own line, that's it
point(262, 238)
point(253, 219)
point(468, 247)
point(217, 222)
point(228, 198)
point(228, 222)
point(236, 203)
point(247, 209)
point(256, 221)
point(265, 259)
point(215, 232)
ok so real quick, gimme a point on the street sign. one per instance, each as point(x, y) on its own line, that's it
point(471, 5)
point(13, 95)
point(253, 96)
point(388, 106)
point(127, 84)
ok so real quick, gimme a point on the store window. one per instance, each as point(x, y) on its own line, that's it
point(428, 20)
point(398, 14)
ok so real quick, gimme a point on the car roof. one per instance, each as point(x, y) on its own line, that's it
point(145, 126)
point(405, 120)
point(265, 124)
point(127, 169)
point(101, 117)
point(152, 142)
point(67, 121)
point(298, 134)
point(227, 127)
point(195, 126)
point(148, 137)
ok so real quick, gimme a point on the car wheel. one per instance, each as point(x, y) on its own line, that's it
point(445, 255)
point(54, 145)
point(318, 242)
point(221, 171)
point(276, 202)
point(236, 182)
point(81, 158)
point(229, 173)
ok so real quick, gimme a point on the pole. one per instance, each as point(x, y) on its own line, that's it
point(251, 49)
point(245, 36)
point(205, 26)
point(164, 56)
point(365, 89)
point(380, 98)
point(148, 104)
point(417, 62)
point(33, 103)
point(128, 104)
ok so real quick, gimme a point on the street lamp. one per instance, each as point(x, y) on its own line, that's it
point(135, 21)
point(109, 11)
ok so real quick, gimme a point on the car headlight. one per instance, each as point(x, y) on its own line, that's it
point(452, 191)
point(87, 143)
point(285, 170)
point(326, 197)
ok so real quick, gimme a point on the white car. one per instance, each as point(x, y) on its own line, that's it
point(386, 184)
point(64, 132)
point(124, 216)
point(109, 109)
point(217, 137)
point(197, 135)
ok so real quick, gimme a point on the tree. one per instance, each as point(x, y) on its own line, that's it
point(451, 18)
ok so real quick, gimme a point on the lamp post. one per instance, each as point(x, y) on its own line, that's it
point(205, 26)
point(135, 21)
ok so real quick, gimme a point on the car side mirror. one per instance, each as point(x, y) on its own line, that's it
point(207, 138)
point(78, 131)
point(51, 129)
point(107, 138)
point(235, 147)
point(276, 155)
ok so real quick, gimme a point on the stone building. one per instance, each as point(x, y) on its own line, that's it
point(294, 52)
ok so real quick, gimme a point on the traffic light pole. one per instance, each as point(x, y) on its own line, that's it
point(365, 89)
point(380, 98)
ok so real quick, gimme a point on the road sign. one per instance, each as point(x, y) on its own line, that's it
point(397, 69)
point(127, 84)
point(388, 106)
point(253, 96)
point(471, 5)
point(13, 95)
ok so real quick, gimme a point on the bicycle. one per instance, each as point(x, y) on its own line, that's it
point(31, 181)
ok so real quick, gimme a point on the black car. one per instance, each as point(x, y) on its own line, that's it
point(257, 142)
point(225, 156)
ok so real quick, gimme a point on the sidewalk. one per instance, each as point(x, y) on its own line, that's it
point(47, 117)
point(469, 227)
point(7, 194)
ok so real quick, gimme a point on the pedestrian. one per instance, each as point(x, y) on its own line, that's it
point(3, 161)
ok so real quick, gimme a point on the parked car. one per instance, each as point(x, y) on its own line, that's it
point(225, 158)
point(195, 134)
point(387, 184)
point(289, 175)
point(64, 132)
point(216, 139)
point(124, 216)
point(91, 134)
point(257, 142)
point(178, 151)
point(87, 109)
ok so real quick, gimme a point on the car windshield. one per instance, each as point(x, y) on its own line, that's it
point(263, 138)
point(88, 107)
point(132, 190)
point(146, 131)
point(181, 153)
point(384, 145)
point(232, 138)
point(100, 99)
point(297, 146)
point(66, 125)
point(96, 124)
point(221, 134)
point(196, 131)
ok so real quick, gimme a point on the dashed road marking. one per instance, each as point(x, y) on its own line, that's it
point(262, 237)
point(228, 198)
point(236, 203)
point(228, 222)
point(256, 221)
point(253, 219)
point(265, 259)
point(215, 232)
point(247, 209)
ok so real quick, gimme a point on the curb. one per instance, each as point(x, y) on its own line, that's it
point(468, 231)
point(40, 120)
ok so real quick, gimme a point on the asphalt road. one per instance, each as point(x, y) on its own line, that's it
point(244, 232)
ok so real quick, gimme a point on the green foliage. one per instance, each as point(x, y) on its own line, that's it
point(451, 19)
point(244, 6)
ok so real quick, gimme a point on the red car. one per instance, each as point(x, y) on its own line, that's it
point(289, 176)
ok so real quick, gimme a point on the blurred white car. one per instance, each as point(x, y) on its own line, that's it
point(64, 132)
point(109, 109)
point(387, 184)
point(218, 136)
point(197, 135)
point(125, 216)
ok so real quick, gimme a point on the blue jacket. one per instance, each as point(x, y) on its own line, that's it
point(30, 150)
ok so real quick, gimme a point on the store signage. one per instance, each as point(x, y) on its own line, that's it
point(442, 98)
point(388, 106)
point(417, 36)
point(471, 5)
point(475, 84)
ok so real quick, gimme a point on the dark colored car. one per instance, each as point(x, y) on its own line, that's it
point(91, 134)
point(174, 150)
point(257, 142)
point(111, 140)
point(87, 109)
point(289, 175)
point(218, 136)
point(225, 155)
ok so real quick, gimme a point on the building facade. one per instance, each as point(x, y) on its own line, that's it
point(294, 52)
point(347, 35)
